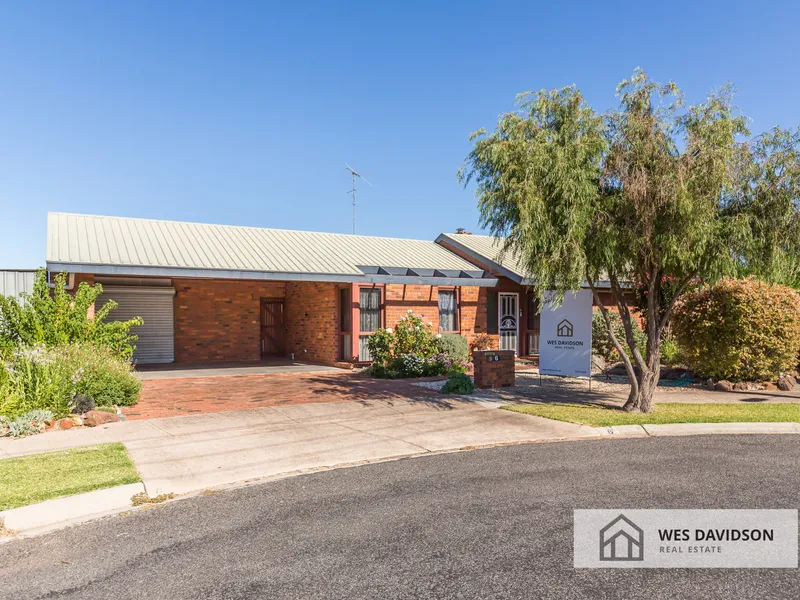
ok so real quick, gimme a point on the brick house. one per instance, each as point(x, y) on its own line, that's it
point(509, 311)
point(223, 293)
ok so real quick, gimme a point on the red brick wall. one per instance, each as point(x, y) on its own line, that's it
point(220, 319)
point(423, 300)
point(312, 321)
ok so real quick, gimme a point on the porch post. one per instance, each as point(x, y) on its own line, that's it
point(355, 320)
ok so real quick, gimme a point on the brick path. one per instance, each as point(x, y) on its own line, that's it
point(178, 397)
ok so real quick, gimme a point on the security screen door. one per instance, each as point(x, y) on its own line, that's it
point(508, 317)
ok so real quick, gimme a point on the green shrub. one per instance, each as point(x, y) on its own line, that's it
point(102, 376)
point(59, 318)
point(671, 354)
point(601, 340)
point(35, 378)
point(45, 378)
point(739, 329)
point(458, 383)
point(454, 345)
point(380, 346)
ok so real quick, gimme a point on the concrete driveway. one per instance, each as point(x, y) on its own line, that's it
point(184, 454)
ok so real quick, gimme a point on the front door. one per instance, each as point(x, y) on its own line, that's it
point(508, 325)
point(272, 327)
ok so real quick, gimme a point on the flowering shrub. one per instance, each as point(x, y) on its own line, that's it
point(38, 377)
point(739, 329)
point(413, 336)
point(411, 349)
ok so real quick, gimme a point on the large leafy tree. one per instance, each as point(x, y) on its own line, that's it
point(655, 191)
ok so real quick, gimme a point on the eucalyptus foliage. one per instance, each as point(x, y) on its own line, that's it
point(651, 191)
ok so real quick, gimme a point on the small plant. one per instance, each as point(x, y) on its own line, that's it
point(458, 383)
point(671, 354)
point(142, 498)
point(454, 345)
point(30, 423)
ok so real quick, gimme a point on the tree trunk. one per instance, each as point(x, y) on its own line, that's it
point(640, 399)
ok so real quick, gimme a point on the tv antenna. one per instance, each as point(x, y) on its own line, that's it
point(355, 174)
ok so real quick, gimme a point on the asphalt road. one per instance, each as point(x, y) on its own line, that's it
point(483, 524)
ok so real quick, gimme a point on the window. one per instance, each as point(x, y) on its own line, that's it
point(448, 310)
point(370, 319)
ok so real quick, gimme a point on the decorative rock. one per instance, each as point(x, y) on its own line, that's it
point(769, 386)
point(93, 418)
point(723, 386)
point(710, 384)
point(740, 386)
point(64, 423)
point(786, 384)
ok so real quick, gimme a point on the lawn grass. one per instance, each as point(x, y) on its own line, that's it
point(38, 477)
point(600, 416)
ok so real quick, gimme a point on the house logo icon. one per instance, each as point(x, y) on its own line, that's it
point(564, 329)
point(622, 540)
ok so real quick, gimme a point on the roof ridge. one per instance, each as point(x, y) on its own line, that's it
point(332, 233)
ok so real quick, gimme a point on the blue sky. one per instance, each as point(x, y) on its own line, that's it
point(245, 112)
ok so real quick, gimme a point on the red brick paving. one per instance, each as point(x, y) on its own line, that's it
point(180, 397)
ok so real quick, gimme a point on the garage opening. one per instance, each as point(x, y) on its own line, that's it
point(156, 343)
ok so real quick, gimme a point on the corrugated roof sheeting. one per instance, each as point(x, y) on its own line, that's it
point(14, 283)
point(488, 247)
point(117, 241)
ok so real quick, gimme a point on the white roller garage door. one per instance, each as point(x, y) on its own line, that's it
point(156, 343)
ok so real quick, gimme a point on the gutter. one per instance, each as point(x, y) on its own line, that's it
point(147, 271)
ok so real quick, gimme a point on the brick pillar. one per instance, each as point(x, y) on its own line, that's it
point(494, 368)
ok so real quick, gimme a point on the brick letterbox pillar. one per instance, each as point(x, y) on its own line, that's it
point(493, 368)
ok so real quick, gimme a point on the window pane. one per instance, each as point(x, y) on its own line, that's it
point(370, 304)
point(448, 314)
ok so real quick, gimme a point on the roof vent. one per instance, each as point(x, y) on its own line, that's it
point(462, 231)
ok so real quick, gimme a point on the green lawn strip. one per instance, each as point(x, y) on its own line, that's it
point(38, 477)
point(600, 416)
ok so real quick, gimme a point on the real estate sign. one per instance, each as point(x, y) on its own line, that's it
point(565, 342)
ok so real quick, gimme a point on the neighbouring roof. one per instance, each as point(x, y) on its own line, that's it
point(14, 282)
point(147, 247)
point(488, 250)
